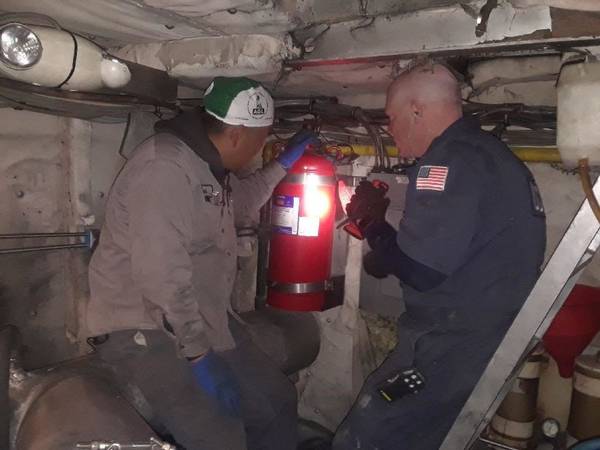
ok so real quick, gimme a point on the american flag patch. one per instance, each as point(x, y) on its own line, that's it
point(432, 178)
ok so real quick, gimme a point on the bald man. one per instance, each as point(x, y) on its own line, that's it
point(467, 253)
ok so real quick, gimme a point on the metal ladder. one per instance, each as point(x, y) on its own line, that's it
point(574, 252)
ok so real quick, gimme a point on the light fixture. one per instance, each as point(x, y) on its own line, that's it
point(56, 58)
point(20, 47)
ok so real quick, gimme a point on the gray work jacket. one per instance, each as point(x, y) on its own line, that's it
point(167, 251)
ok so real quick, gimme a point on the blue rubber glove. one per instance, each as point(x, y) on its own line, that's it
point(216, 379)
point(296, 147)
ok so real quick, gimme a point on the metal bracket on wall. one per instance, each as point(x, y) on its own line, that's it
point(574, 252)
point(86, 239)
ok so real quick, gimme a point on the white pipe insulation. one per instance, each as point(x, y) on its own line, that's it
point(71, 62)
point(578, 5)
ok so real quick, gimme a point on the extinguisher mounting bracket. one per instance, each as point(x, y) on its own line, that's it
point(302, 288)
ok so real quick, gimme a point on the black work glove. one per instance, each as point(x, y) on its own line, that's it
point(368, 204)
point(373, 266)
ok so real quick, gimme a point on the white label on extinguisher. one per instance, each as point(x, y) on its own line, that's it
point(284, 214)
point(308, 226)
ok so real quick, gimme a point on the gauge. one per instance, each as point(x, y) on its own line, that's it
point(550, 428)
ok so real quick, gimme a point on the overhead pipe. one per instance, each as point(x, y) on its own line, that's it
point(576, 5)
point(525, 154)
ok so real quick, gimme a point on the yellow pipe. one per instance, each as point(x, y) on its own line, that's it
point(526, 154)
point(537, 154)
point(368, 150)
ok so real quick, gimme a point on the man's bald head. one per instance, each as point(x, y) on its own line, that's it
point(421, 103)
point(427, 83)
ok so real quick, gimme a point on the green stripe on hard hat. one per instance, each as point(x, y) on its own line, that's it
point(239, 101)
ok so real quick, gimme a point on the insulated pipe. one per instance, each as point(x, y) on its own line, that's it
point(290, 339)
point(577, 5)
point(7, 342)
point(71, 62)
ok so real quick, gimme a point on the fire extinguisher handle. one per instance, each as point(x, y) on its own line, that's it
point(382, 185)
point(354, 230)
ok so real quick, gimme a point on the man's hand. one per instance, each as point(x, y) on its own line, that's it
point(368, 204)
point(216, 379)
point(296, 147)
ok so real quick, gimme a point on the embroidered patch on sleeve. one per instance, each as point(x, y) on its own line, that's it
point(432, 178)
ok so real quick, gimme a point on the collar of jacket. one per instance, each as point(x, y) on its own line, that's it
point(463, 126)
point(188, 127)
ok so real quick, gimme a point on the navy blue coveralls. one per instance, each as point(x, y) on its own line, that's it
point(468, 252)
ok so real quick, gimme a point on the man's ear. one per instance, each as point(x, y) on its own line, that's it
point(234, 136)
point(237, 136)
point(415, 110)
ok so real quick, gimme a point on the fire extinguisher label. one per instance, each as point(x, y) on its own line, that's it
point(308, 226)
point(284, 214)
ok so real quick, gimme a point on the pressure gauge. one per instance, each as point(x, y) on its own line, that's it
point(550, 428)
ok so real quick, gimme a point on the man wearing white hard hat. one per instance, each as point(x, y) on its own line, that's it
point(162, 276)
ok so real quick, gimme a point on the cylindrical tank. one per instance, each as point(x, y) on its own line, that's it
point(584, 421)
point(578, 133)
point(302, 219)
point(575, 325)
point(515, 419)
point(78, 408)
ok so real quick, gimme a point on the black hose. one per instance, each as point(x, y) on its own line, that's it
point(383, 157)
point(263, 260)
point(8, 339)
point(124, 138)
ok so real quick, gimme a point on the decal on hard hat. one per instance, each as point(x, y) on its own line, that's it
point(255, 105)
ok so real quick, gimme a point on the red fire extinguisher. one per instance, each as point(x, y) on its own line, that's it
point(302, 220)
